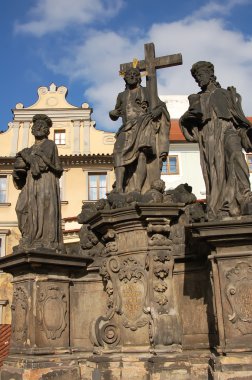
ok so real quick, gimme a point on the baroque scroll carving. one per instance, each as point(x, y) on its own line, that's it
point(126, 286)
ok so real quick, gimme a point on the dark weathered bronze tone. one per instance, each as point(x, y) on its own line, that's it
point(216, 121)
point(142, 142)
point(37, 171)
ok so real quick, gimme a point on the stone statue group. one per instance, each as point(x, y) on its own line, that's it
point(214, 119)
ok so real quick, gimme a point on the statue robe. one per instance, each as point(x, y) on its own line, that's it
point(38, 207)
point(216, 121)
point(140, 132)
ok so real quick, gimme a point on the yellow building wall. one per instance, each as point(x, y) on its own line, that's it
point(5, 139)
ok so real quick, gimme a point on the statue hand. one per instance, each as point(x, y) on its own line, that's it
point(190, 116)
point(25, 154)
point(115, 114)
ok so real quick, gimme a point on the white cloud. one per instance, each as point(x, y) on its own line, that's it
point(215, 8)
point(50, 16)
point(95, 61)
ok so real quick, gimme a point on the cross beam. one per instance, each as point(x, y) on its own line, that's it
point(150, 65)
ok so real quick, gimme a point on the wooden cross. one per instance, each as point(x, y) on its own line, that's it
point(151, 64)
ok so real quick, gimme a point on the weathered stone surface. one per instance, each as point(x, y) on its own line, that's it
point(142, 142)
point(164, 299)
point(216, 121)
point(41, 374)
point(231, 259)
point(36, 172)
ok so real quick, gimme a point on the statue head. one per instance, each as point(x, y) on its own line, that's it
point(132, 77)
point(158, 185)
point(41, 125)
point(203, 73)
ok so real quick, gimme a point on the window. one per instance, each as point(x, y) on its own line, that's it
point(97, 186)
point(171, 165)
point(3, 188)
point(60, 137)
point(2, 242)
point(249, 162)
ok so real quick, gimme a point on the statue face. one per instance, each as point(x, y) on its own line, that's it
point(132, 76)
point(202, 77)
point(40, 129)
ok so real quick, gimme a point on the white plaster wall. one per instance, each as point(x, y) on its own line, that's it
point(189, 169)
point(177, 105)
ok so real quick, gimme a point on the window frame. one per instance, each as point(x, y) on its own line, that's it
point(3, 175)
point(60, 132)
point(98, 174)
point(168, 172)
point(3, 234)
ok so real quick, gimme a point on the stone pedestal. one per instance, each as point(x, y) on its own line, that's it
point(153, 317)
point(159, 299)
point(230, 245)
point(40, 339)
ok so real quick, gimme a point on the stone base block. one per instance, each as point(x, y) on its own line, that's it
point(177, 367)
point(40, 368)
point(232, 367)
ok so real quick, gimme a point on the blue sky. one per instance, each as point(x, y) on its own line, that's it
point(81, 43)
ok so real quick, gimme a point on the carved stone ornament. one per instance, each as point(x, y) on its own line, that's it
point(239, 295)
point(159, 233)
point(126, 286)
point(162, 268)
point(19, 314)
point(104, 332)
point(52, 308)
point(111, 246)
point(90, 245)
point(133, 292)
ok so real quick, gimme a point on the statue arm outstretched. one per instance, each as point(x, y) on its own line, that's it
point(117, 112)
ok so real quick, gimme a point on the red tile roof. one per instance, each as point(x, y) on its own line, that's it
point(5, 332)
point(177, 136)
point(175, 133)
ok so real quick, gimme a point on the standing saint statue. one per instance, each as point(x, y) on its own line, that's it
point(37, 171)
point(216, 121)
point(142, 142)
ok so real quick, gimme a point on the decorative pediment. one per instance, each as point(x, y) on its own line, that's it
point(51, 97)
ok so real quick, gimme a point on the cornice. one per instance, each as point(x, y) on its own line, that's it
point(76, 159)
